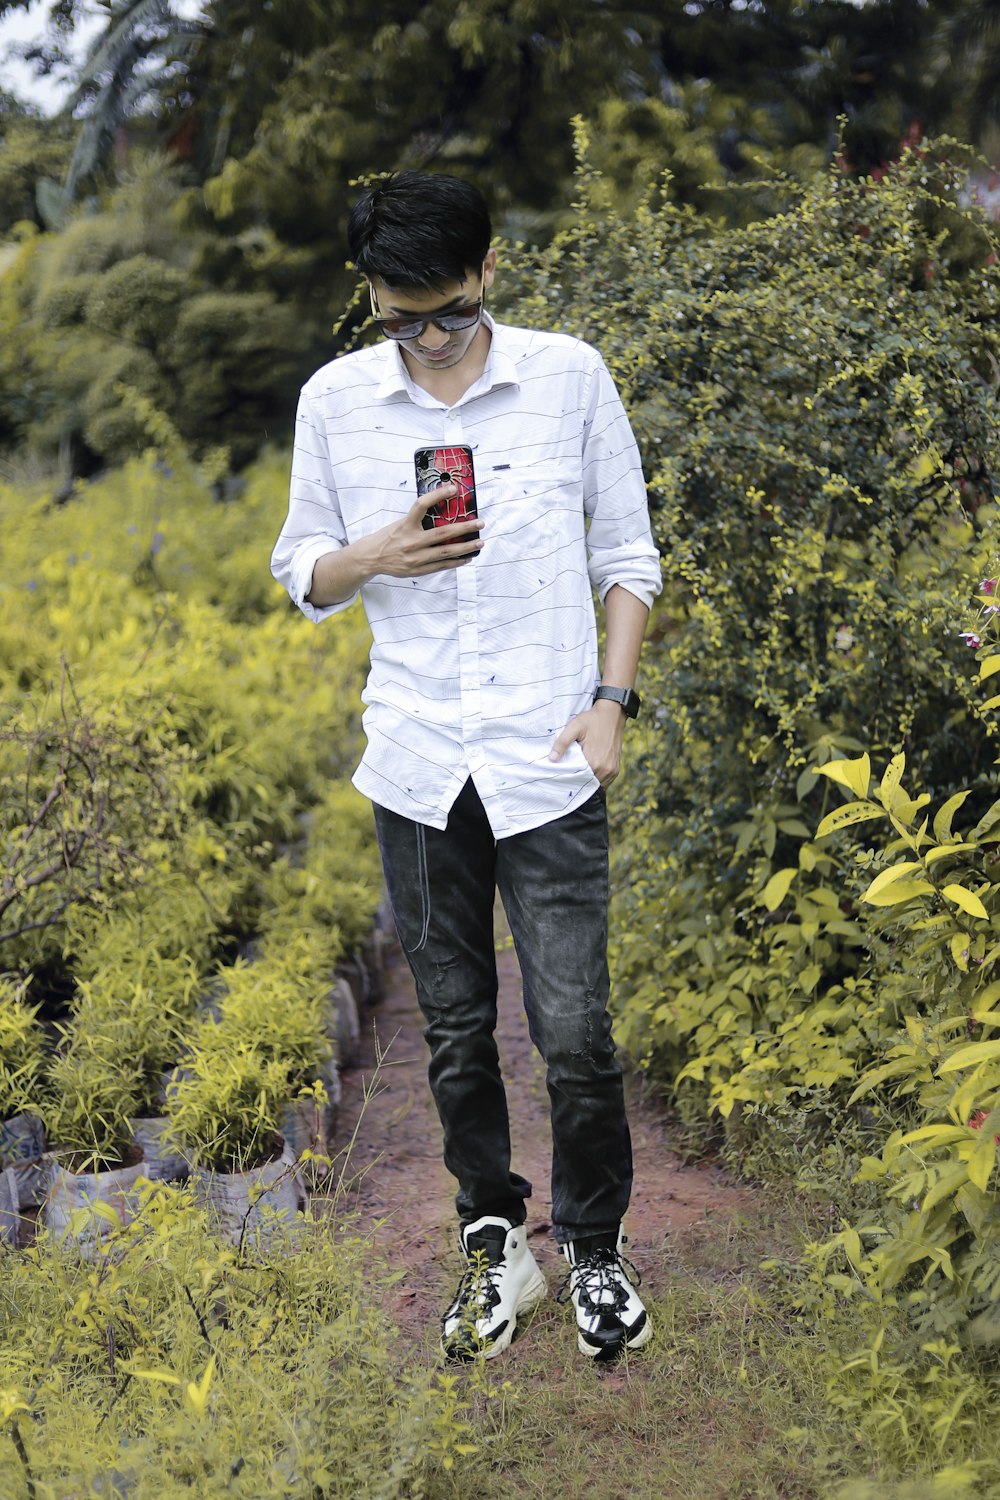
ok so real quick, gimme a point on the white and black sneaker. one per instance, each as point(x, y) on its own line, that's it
point(610, 1315)
point(501, 1281)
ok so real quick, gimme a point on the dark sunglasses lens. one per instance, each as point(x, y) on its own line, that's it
point(412, 328)
point(395, 328)
point(462, 317)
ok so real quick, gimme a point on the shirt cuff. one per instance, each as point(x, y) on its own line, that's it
point(301, 580)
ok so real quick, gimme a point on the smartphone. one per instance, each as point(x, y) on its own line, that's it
point(437, 466)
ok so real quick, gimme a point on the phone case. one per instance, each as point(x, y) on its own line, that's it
point(437, 466)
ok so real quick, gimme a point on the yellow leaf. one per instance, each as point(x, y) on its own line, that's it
point(162, 1375)
point(198, 1394)
point(851, 1241)
point(971, 1055)
point(960, 951)
point(988, 666)
point(945, 813)
point(843, 817)
point(984, 1000)
point(981, 1162)
point(900, 891)
point(854, 774)
point(888, 793)
point(777, 887)
point(965, 899)
point(927, 464)
point(886, 877)
point(941, 1134)
point(941, 850)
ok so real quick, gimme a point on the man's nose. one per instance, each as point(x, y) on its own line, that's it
point(433, 338)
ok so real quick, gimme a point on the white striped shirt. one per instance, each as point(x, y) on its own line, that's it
point(474, 671)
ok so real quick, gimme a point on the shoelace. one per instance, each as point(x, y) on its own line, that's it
point(597, 1274)
point(477, 1287)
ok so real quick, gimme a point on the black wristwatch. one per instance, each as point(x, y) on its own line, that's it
point(627, 698)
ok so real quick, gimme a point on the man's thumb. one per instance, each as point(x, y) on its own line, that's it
point(562, 742)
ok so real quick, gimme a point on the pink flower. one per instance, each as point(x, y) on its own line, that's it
point(988, 586)
point(971, 639)
point(978, 1120)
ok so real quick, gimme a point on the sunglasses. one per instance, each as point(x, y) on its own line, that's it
point(448, 322)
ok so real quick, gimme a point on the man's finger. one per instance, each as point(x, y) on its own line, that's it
point(431, 498)
point(563, 740)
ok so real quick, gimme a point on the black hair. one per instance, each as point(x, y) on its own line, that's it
point(420, 230)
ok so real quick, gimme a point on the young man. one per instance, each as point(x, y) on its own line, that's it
point(492, 733)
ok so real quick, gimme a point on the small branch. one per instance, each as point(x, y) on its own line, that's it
point(22, 1453)
point(203, 1326)
point(53, 796)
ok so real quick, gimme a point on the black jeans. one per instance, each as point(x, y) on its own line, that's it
point(553, 882)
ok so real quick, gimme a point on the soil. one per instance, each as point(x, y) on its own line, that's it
point(389, 1130)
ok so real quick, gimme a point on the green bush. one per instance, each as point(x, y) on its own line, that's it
point(22, 1050)
point(168, 720)
point(931, 903)
point(171, 1367)
point(815, 396)
point(117, 302)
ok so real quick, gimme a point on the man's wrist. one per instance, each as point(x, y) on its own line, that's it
point(627, 699)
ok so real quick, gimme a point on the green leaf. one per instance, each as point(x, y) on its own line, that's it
point(900, 891)
point(854, 774)
point(940, 851)
point(938, 1134)
point(895, 1069)
point(970, 1056)
point(777, 887)
point(965, 899)
point(886, 877)
point(981, 1162)
point(984, 1000)
point(851, 1241)
point(889, 792)
point(944, 815)
point(843, 817)
point(951, 1179)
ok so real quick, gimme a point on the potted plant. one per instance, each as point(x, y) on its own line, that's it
point(225, 1114)
point(22, 1062)
point(277, 1007)
point(144, 1015)
point(90, 1095)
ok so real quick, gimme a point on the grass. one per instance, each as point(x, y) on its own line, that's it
point(729, 1402)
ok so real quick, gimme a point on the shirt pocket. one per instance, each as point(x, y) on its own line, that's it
point(531, 499)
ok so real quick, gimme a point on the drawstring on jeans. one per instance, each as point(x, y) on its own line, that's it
point(425, 888)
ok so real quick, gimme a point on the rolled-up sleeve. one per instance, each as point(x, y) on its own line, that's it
point(314, 525)
point(619, 539)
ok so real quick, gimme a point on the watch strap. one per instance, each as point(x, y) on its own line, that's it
point(627, 699)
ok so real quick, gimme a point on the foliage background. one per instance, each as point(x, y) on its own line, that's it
point(801, 315)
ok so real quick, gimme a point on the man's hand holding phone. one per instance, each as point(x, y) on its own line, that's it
point(403, 549)
point(408, 549)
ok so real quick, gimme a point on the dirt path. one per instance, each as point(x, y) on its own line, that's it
point(405, 1196)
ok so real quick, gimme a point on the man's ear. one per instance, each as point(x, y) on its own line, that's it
point(489, 268)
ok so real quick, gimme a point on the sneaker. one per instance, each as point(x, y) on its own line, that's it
point(609, 1312)
point(501, 1281)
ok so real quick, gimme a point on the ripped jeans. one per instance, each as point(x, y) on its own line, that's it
point(553, 882)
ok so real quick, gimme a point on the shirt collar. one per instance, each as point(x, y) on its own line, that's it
point(500, 368)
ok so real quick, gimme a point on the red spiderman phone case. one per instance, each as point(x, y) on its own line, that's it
point(437, 466)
